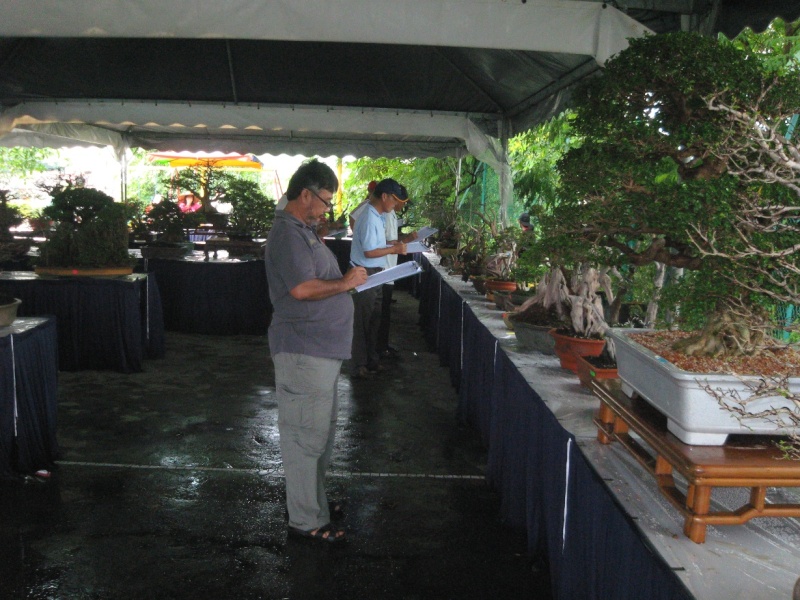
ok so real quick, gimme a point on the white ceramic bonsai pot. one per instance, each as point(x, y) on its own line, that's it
point(693, 416)
point(8, 310)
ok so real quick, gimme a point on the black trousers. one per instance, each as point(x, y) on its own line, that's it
point(386, 318)
point(366, 321)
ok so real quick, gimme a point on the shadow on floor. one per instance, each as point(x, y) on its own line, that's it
point(170, 486)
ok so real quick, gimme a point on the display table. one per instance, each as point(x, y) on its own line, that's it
point(104, 323)
point(341, 250)
point(591, 511)
point(221, 297)
point(28, 396)
point(750, 463)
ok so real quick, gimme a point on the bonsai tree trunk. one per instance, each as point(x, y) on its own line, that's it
point(732, 330)
point(658, 284)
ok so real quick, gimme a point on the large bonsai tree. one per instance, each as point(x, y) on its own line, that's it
point(673, 170)
point(91, 230)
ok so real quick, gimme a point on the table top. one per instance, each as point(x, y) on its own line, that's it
point(32, 276)
point(198, 256)
point(21, 325)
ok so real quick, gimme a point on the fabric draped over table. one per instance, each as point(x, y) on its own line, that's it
point(103, 323)
point(218, 298)
point(546, 485)
point(29, 380)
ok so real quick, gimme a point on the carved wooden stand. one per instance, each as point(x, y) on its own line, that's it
point(754, 464)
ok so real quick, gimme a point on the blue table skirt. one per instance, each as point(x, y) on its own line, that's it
point(547, 487)
point(28, 381)
point(214, 297)
point(104, 323)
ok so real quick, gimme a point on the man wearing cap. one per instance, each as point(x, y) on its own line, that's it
point(385, 350)
point(309, 337)
point(370, 249)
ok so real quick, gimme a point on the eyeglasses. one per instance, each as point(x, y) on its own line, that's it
point(329, 205)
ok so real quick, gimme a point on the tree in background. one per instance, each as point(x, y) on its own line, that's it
point(443, 191)
point(534, 157)
point(23, 162)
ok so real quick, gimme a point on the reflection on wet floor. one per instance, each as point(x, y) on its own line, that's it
point(170, 486)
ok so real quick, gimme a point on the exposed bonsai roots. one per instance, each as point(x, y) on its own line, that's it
point(727, 332)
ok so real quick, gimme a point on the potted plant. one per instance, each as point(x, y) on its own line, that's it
point(250, 219)
point(600, 367)
point(90, 235)
point(684, 162)
point(488, 253)
point(252, 211)
point(170, 224)
point(564, 316)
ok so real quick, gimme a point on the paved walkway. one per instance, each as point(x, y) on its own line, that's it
point(170, 486)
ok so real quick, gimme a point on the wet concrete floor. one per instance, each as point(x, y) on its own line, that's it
point(170, 486)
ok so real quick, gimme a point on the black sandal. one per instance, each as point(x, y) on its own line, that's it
point(327, 533)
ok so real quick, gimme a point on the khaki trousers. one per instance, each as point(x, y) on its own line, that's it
point(307, 413)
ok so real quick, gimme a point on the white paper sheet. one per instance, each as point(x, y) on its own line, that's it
point(413, 247)
point(407, 269)
point(425, 232)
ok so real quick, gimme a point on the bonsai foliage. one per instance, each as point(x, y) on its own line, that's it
point(253, 211)
point(91, 230)
point(659, 178)
point(168, 220)
point(487, 248)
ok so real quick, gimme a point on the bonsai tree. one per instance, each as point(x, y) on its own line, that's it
point(662, 176)
point(487, 248)
point(567, 299)
point(168, 220)
point(252, 210)
point(91, 230)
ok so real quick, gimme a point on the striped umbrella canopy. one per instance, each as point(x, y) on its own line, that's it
point(205, 159)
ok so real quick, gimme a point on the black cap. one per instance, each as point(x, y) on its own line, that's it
point(390, 186)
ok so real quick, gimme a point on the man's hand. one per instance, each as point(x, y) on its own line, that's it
point(399, 249)
point(323, 227)
point(355, 277)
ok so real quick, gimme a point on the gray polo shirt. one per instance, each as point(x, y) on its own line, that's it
point(321, 328)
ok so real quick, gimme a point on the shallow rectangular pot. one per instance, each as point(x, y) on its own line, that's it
point(693, 416)
point(535, 337)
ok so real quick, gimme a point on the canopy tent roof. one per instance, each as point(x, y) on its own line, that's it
point(363, 77)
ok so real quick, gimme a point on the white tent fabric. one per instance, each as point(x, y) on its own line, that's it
point(262, 129)
point(574, 28)
point(587, 28)
point(27, 138)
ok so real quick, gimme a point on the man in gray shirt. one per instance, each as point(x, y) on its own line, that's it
point(310, 334)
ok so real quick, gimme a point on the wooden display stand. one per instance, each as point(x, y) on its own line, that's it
point(754, 463)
